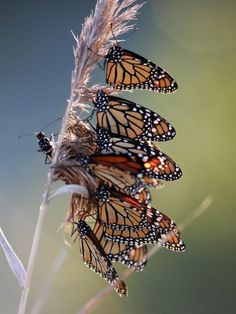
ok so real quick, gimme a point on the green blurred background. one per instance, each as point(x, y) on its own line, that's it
point(195, 41)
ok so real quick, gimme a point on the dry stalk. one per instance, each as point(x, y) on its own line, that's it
point(94, 41)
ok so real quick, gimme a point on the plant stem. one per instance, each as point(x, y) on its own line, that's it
point(41, 216)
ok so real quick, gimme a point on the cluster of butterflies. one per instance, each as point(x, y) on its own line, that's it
point(126, 164)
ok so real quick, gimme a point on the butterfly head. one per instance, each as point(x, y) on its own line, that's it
point(103, 193)
point(103, 138)
point(83, 160)
point(115, 53)
point(40, 135)
point(82, 228)
point(101, 102)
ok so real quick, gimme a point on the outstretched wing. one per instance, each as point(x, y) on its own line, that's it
point(131, 256)
point(128, 119)
point(128, 70)
point(155, 163)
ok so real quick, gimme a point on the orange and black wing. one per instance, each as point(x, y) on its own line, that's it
point(172, 241)
point(122, 162)
point(167, 230)
point(95, 258)
point(159, 221)
point(130, 256)
point(119, 211)
point(136, 258)
point(128, 70)
point(132, 237)
point(158, 167)
point(128, 119)
point(153, 183)
point(143, 196)
point(160, 230)
point(110, 174)
point(155, 163)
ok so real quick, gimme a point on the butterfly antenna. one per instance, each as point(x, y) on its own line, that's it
point(113, 35)
point(101, 67)
point(89, 117)
point(22, 135)
point(50, 124)
point(93, 128)
point(73, 229)
point(92, 215)
point(87, 215)
point(74, 240)
point(95, 52)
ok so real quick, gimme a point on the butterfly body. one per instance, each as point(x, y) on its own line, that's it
point(128, 70)
point(46, 145)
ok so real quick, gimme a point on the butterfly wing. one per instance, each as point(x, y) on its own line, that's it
point(132, 257)
point(143, 196)
point(128, 119)
point(172, 241)
point(153, 183)
point(132, 237)
point(128, 70)
point(136, 258)
point(158, 167)
point(119, 211)
point(161, 230)
point(112, 176)
point(155, 163)
point(95, 258)
point(169, 235)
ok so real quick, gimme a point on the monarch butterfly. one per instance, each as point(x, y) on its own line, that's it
point(128, 70)
point(171, 240)
point(46, 145)
point(132, 257)
point(159, 168)
point(120, 211)
point(156, 163)
point(95, 258)
point(128, 119)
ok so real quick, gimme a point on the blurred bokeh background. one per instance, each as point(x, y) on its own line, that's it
point(196, 42)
